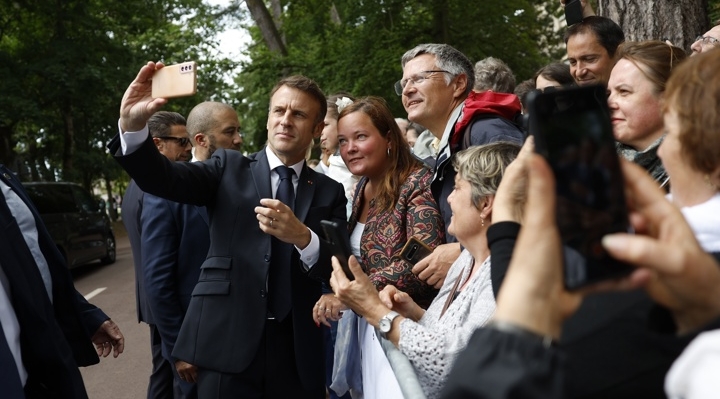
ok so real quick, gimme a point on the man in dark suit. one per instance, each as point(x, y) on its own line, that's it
point(44, 321)
point(176, 238)
point(171, 139)
point(249, 328)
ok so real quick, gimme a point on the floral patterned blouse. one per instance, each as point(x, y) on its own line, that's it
point(415, 214)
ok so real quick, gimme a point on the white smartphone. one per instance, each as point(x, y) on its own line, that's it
point(179, 80)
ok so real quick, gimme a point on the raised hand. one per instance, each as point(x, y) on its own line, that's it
point(137, 103)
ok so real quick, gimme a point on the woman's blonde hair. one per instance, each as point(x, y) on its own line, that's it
point(655, 59)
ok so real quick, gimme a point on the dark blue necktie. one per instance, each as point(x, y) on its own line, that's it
point(280, 274)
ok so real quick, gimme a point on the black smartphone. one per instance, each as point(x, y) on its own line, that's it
point(573, 12)
point(573, 132)
point(414, 251)
point(339, 244)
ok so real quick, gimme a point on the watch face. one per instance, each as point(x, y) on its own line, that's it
point(385, 325)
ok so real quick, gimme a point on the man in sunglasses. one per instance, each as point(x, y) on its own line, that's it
point(172, 140)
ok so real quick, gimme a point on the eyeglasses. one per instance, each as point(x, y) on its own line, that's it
point(183, 141)
point(707, 40)
point(415, 79)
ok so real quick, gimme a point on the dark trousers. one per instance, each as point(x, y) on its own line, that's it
point(272, 374)
point(160, 385)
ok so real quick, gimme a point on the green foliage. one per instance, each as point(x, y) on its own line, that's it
point(361, 54)
point(64, 66)
point(714, 11)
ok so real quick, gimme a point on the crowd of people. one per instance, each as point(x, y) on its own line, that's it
point(243, 298)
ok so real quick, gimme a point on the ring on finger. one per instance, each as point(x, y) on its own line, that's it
point(271, 221)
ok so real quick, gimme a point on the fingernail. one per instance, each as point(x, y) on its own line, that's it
point(317, 323)
point(614, 242)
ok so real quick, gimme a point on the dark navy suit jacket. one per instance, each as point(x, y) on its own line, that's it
point(131, 208)
point(174, 244)
point(54, 337)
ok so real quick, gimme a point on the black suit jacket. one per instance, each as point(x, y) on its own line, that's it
point(227, 313)
point(131, 209)
point(54, 337)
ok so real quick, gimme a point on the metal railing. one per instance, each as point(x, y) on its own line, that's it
point(403, 369)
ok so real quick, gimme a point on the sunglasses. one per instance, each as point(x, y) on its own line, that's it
point(183, 141)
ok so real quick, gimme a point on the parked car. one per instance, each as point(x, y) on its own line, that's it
point(77, 222)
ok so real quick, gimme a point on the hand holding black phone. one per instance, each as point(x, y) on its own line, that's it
point(573, 12)
point(414, 251)
point(339, 244)
point(573, 132)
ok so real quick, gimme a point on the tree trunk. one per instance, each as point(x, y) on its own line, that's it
point(268, 29)
point(334, 15)
point(277, 10)
point(441, 21)
point(7, 145)
point(679, 21)
point(68, 142)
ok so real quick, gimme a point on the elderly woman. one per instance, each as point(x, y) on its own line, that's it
point(635, 88)
point(432, 339)
point(691, 149)
point(392, 203)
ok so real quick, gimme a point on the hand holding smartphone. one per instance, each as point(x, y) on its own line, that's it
point(414, 251)
point(573, 12)
point(339, 244)
point(179, 80)
point(573, 132)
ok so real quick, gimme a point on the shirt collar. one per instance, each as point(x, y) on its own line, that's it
point(274, 162)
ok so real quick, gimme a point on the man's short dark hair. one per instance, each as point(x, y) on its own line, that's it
point(608, 33)
point(308, 86)
point(161, 122)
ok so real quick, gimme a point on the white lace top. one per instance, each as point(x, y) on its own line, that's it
point(433, 343)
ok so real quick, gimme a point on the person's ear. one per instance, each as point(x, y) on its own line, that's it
point(158, 143)
point(487, 206)
point(460, 85)
point(201, 140)
point(318, 129)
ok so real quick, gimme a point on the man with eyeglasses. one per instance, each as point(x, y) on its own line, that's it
point(437, 79)
point(172, 140)
point(706, 42)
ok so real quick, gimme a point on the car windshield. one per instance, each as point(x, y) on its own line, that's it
point(52, 198)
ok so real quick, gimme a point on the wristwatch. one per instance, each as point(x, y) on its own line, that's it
point(385, 324)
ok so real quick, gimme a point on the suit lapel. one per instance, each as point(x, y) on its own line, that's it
point(261, 174)
point(305, 193)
